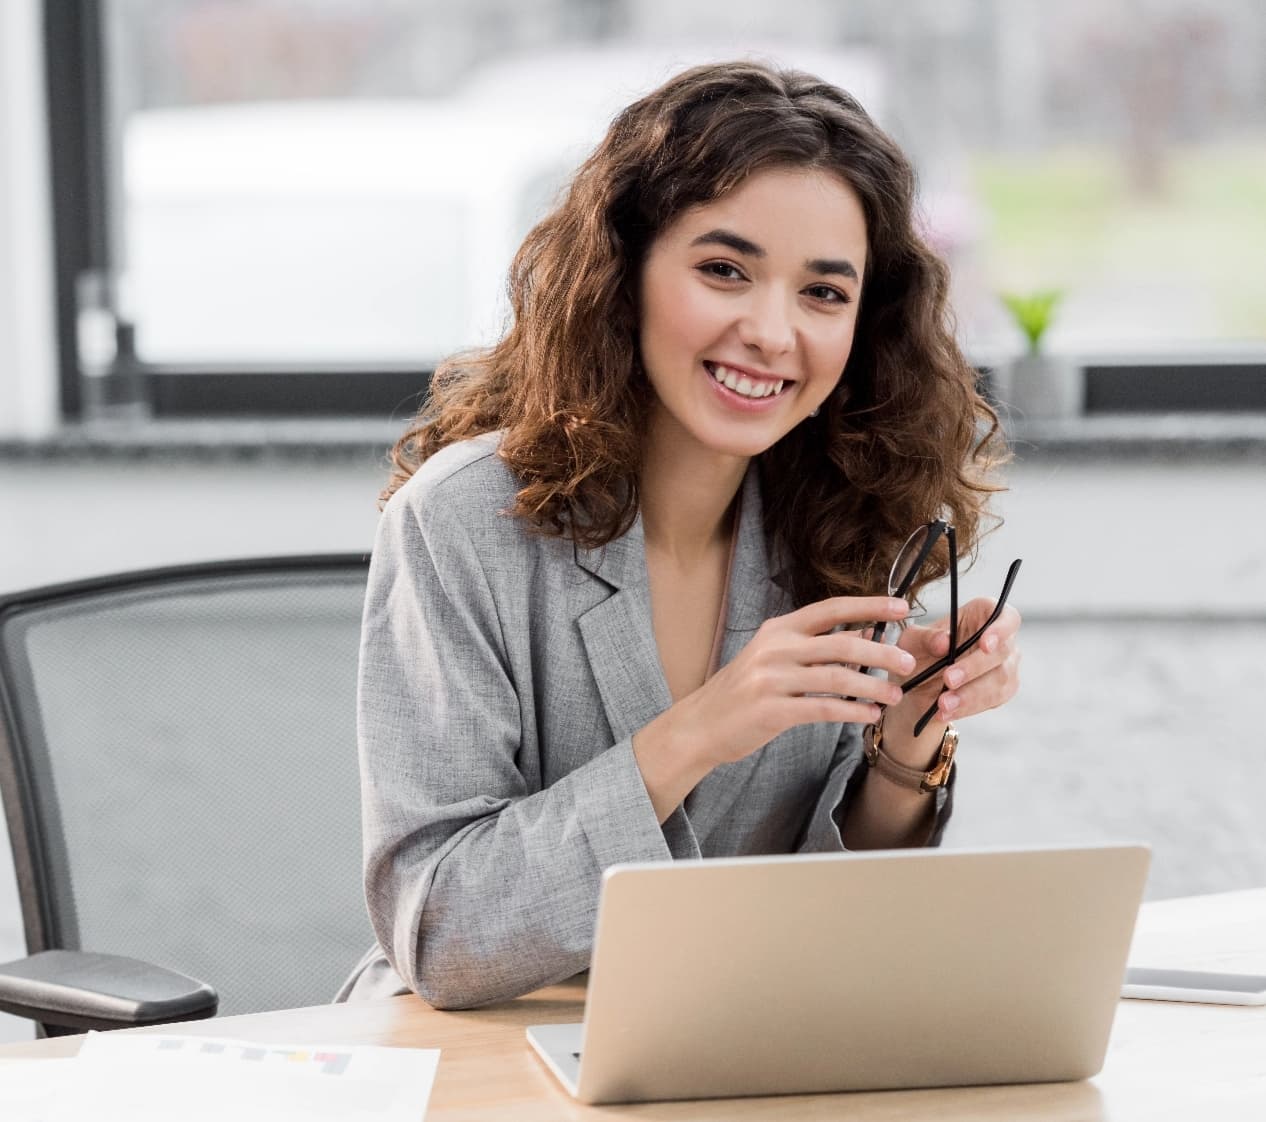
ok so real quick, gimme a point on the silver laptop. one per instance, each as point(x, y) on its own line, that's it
point(857, 971)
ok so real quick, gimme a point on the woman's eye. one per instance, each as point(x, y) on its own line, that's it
point(723, 270)
point(827, 294)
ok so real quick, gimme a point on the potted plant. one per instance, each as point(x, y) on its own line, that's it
point(1040, 385)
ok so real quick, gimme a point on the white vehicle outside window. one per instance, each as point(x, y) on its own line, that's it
point(369, 231)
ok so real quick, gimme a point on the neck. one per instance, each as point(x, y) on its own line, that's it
point(686, 494)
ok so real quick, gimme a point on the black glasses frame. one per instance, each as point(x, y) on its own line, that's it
point(936, 529)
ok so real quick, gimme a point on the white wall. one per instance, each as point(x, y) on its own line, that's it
point(28, 382)
point(69, 520)
point(1153, 537)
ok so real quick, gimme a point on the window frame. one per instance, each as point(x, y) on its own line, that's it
point(74, 47)
point(74, 44)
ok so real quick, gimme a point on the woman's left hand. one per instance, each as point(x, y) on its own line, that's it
point(985, 677)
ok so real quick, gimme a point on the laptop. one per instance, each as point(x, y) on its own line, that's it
point(848, 972)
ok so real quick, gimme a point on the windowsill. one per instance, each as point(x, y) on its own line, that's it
point(1222, 436)
point(1142, 436)
point(365, 440)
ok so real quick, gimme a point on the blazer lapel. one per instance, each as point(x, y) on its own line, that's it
point(754, 596)
point(619, 638)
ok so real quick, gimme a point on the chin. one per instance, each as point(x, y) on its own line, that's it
point(743, 444)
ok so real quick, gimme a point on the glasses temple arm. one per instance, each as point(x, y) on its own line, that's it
point(941, 663)
point(922, 722)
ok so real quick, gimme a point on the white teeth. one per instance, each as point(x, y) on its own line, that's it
point(742, 384)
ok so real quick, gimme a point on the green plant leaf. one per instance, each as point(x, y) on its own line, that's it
point(1033, 313)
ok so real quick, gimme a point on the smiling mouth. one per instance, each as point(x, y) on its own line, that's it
point(744, 384)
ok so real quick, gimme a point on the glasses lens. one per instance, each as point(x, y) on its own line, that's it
point(908, 563)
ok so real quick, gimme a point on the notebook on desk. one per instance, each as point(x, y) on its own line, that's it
point(858, 971)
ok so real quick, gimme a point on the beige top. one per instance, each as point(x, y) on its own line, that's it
point(718, 636)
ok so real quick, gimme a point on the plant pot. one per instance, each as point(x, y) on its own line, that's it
point(1044, 386)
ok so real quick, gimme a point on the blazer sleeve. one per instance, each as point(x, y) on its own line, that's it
point(479, 888)
point(847, 770)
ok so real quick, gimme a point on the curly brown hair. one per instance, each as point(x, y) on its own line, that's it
point(905, 437)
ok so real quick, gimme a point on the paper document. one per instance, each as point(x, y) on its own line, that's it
point(27, 1088)
point(142, 1078)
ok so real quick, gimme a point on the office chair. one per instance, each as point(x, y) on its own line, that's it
point(179, 773)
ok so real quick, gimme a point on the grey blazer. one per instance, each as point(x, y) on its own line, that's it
point(502, 677)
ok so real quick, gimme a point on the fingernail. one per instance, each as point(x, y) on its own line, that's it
point(907, 661)
point(949, 702)
point(953, 678)
point(989, 642)
point(898, 606)
point(895, 695)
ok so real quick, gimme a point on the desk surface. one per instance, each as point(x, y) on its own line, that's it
point(1166, 1061)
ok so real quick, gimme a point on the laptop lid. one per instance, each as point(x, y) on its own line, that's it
point(857, 971)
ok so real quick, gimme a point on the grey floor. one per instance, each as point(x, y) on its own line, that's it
point(1150, 731)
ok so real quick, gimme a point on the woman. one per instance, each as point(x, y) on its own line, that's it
point(618, 603)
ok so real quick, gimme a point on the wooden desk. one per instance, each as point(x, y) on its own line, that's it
point(1167, 1061)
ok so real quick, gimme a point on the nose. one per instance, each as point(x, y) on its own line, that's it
point(766, 325)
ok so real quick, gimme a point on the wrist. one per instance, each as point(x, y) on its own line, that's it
point(668, 757)
point(923, 778)
point(900, 742)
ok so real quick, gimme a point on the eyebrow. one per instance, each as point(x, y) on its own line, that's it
point(823, 266)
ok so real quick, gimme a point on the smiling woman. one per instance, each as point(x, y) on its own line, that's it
point(738, 319)
point(643, 536)
point(567, 384)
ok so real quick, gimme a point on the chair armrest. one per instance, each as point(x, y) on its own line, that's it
point(79, 989)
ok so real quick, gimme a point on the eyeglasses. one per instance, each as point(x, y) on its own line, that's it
point(906, 568)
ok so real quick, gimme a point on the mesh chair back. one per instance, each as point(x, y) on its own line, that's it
point(183, 749)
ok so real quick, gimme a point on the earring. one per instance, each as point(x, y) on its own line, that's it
point(815, 411)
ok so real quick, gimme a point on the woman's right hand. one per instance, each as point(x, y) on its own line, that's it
point(796, 670)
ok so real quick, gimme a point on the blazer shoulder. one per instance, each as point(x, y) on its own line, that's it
point(467, 470)
point(466, 482)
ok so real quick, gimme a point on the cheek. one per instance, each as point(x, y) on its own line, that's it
point(832, 350)
point(680, 318)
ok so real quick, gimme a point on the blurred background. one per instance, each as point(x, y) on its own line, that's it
point(335, 180)
point(236, 236)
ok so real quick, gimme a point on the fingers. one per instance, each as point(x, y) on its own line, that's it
point(846, 682)
point(926, 644)
point(852, 649)
point(814, 708)
point(823, 615)
point(977, 611)
point(988, 676)
point(994, 647)
point(820, 673)
point(988, 691)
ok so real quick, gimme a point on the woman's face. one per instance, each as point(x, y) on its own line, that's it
point(748, 307)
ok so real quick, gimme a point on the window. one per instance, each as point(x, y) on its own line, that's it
point(302, 205)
